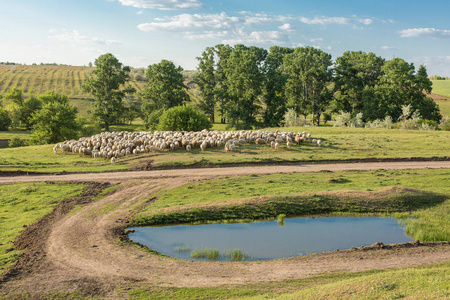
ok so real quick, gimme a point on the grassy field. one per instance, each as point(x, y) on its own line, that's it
point(338, 144)
point(67, 80)
point(22, 205)
point(424, 210)
point(441, 87)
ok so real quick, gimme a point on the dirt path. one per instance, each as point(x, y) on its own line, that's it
point(82, 251)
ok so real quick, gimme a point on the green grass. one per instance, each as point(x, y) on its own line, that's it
point(338, 144)
point(205, 254)
point(428, 282)
point(424, 212)
point(22, 205)
point(441, 87)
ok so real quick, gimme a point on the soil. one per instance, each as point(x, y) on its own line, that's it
point(82, 251)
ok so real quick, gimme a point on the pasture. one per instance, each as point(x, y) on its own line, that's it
point(338, 144)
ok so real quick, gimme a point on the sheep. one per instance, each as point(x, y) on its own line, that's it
point(113, 160)
point(288, 144)
point(319, 142)
point(276, 145)
point(188, 148)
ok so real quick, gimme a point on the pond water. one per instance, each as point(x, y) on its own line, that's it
point(269, 239)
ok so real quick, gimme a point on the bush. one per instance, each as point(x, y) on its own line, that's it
point(343, 120)
point(183, 118)
point(386, 123)
point(444, 124)
point(291, 118)
point(5, 120)
point(16, 142)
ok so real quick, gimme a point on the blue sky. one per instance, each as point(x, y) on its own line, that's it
point(143, 32)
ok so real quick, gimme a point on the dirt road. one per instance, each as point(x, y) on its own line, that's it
point(81, 250)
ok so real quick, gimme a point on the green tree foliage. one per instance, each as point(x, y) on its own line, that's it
point(5, 120)
point(183, 118)
point(107, 87)
point(56, 121)
point(309, 75)
point(355, 71)
point(400, 86)
point(221, 93)
point(21, 109)
point(245, 77)
point(275, 81)
point(165, 89)
point(206, 79)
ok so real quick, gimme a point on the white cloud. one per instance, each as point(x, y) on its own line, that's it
point(322, 20)
point(425, 32)
point(388, 48)
point(163, 4)
point(258, 38)
point(316, 40)
point(205, 35)
point(75, 37)
point(286, 27)
point(325, 20)
point(190, 22)
point(366, 21)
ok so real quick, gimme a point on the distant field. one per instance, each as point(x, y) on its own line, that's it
point(441, 87)
point(62, 79)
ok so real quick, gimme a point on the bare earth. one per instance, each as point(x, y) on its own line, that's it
point(81, 251)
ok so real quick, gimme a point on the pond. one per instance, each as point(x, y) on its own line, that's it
point(269, 239)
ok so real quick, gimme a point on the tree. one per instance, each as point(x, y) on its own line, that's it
point(106, 86)
point(355, 71)
point(244, 76)
point(56, 121)
point(165, 89)
point(399, 86)
point(221, 93)
point(206, 79)
point(22, 109)
point(275, 81)
point(183, 118)
point(309, 75)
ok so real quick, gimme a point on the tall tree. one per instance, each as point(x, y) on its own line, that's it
point(309, 75)
point(354, 72)
point(399, 86)
point(245, 79)
point(56, 121)
point(165, 89)
point(107, 86)
point(221, 92)
point(21, 109)
point(275, 80)
point(206, 79)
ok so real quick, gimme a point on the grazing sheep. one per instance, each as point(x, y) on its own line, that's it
point(113, 160)
point(319, 142)
point(276, 145)
point(188, 148)
point(288, 144)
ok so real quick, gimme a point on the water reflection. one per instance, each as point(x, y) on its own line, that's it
point(267, 240)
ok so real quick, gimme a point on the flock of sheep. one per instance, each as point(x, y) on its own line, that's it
point(114, 145)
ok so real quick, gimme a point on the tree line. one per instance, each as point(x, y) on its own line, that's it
point(249, 87)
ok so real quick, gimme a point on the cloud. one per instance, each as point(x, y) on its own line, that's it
point(388, 48)
point(322, 20)
point(75, 37)
point(316, 40)
point(163, 4)
point(205, 35)
point(325, 20)
point(286, 27)
point(190, 22)
point(258, 38)
point(425, 32)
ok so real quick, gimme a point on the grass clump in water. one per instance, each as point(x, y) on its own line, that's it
point(236, 255)
point(205, 254)
point(181, 248)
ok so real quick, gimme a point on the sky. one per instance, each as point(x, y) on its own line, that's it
point(143, 32)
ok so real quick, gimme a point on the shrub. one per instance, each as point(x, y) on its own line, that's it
point(444, 124)
point(16, 142)
point(386, 123)
point(183, 118)
point(291, 118)
point(5, 120)
point(326, 117)
point(343, 120)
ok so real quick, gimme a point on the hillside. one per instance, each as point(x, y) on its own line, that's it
point(66, 80)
